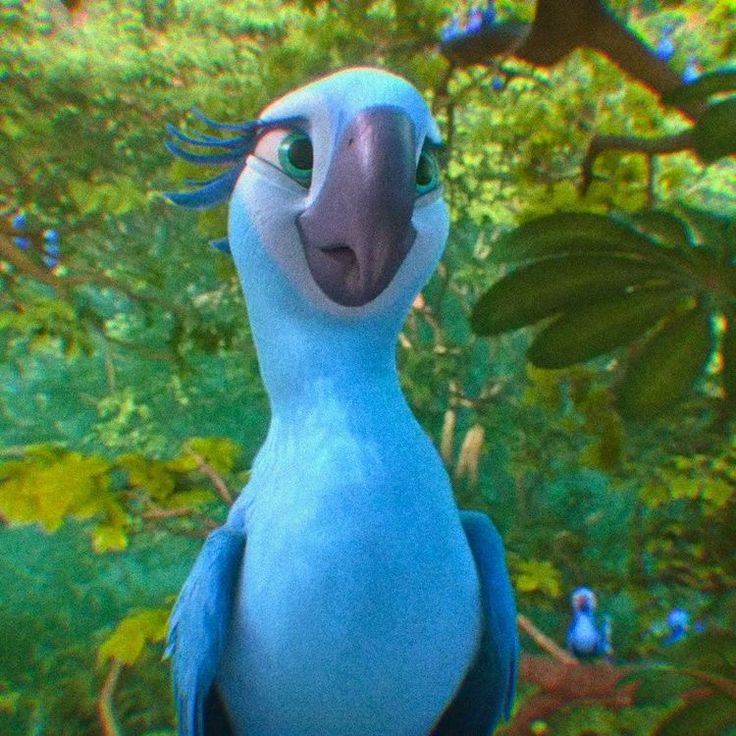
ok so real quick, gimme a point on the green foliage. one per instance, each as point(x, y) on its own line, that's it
point(715, 132)
point(126, 643)
point(49, 485)
point(604, 285)
point(136, 344)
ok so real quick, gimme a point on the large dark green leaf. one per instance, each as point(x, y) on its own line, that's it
point(707, 84)
point(545, 288)
point(657, 685)
point(667, 366)
point(597, 328)
point(711, 716)
point(572, 233)
point(664, 227)
point(714, 135)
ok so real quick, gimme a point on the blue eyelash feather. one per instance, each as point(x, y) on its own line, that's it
point(232, 153)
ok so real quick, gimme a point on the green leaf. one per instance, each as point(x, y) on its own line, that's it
point(547, 287)
point(537, 575)
point(571, 233)
point(598, 328)
point(127, 641)
point(667, 366)
point(657, 685)
point(704, 86)
point(107, 538)
point(220, 452)
point(714, 135)
point(664, 227)
point(711, 716)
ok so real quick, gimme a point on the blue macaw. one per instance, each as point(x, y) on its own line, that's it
point(678, 620)
point(346, 595)
point(584, 639)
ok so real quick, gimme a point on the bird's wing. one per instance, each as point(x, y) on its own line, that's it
point(486, 695)
point(198, 630)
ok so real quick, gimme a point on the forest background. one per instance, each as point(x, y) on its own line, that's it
point(130, 401)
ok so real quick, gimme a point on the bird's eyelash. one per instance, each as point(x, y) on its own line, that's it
point(221, 151)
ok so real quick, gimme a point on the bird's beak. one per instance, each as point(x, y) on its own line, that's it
point(358, 230)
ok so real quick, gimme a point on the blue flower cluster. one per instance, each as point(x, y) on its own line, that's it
point(51, 250)
point(475, 20)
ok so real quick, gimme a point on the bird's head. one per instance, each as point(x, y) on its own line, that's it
point(678, 618)
point(336, 216)
point(341, 196)
point(584, 600)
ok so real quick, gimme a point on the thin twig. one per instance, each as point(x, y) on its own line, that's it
point(544, 641)
point(649, 146)
point(105, 710)
point(205, 468)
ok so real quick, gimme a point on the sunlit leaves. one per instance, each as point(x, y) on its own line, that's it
point(49, 485)
point(537, 576)
point(126, 643)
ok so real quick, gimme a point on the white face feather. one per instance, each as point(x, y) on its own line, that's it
point(267, 201)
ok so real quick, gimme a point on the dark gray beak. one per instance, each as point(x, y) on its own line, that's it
point(358, 231)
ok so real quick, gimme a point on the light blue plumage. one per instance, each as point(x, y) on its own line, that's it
point(346, 595)
point(584, 639)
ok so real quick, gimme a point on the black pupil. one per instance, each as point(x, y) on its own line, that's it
point(300, 154)
point(425, 171)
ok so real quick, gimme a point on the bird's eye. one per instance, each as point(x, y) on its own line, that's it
point(295, 157)
point(428, 172)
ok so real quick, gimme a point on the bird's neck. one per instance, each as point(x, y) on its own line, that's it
point(306, 363)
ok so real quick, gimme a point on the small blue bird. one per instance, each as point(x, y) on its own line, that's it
point(475, 20)
point(693, 70)
point(346, 594)
point(666, 47)
point(678, 620)
point(453, 29)
point(584, 639)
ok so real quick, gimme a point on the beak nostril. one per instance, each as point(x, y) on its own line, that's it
point(342, 254)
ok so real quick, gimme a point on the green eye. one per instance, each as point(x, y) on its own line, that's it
point(295, 157)
point(428, 172)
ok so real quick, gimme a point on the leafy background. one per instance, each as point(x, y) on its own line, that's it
point(130, 403)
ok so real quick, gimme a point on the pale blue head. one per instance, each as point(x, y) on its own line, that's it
point(583, 599)
point(336, 219)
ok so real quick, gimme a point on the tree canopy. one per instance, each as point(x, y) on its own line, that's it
point(574, 356)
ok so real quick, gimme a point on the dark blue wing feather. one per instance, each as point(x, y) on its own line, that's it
point(199, 625)
point(486, 695)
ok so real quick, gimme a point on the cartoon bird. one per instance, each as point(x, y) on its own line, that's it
point(584, 639)
point(346, 594)
point(693, 70)
point(678, 620)
point(666, 47)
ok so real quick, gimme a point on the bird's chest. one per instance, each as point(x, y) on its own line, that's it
point(356, 614)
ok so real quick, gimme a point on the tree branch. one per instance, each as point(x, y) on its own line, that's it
point(559, 28)
point(649, 146)
point(544, 641)
point(206, 469)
